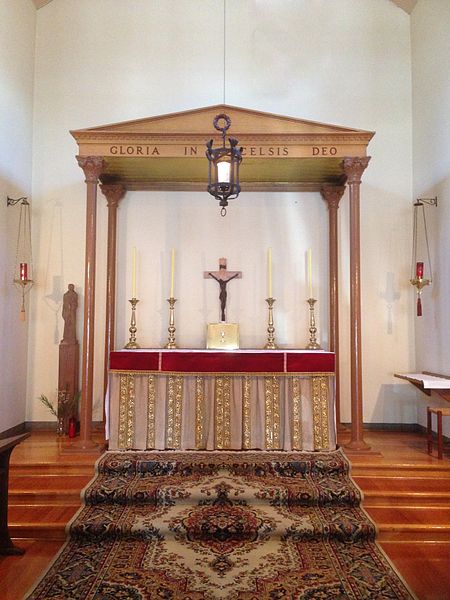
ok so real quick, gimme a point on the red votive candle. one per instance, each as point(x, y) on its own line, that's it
point(23, 271)
point(72, 427)
point(419, 270)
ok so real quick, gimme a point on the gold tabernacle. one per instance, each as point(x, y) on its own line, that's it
point(222, 336)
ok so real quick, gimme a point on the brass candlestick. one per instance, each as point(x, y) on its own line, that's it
point(270, 329)
point(132, 342)
point(313, 343)
point(171, 329)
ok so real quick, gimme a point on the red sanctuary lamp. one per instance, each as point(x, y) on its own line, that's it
point(417, 267)
point(419, 282)
point(419, 270)
point(23, 271)
point(23, 264)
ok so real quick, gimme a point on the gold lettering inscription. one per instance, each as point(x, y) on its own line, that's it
point(143, 150)
point(265, 151)
point(324, 151)
point(134, 150)
point(190, 150)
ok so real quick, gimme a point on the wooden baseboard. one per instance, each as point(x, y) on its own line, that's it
point(98, 426)
point(12, 431)
point(51, 425)
point(401, 427)
point(409, 427)
point(40, 426)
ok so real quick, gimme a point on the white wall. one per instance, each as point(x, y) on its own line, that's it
point(431, 124)
point(17, 35)
point(345, 62)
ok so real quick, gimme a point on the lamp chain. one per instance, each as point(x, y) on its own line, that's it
point(224, 46)
point(426, 240)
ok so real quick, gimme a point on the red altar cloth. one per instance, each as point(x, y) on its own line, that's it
point(230, 361)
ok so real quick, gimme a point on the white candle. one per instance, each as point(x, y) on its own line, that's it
point(133, 273)
point(310, 272)
point(223, 172)
point(172, 272)
point(269, 270)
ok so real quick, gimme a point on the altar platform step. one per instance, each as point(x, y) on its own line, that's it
point(422, 558)
point(409, 523)
point(410, 470)
point(397, 485)
point(406, 491)
point(40, 521)
point(423, 500)
point(48, 486)
point(52, 468)
point(45, 484)
point(36, 497)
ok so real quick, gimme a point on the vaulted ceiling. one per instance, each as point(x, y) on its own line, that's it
point(406, 5)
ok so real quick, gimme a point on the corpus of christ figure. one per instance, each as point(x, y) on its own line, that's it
point(222, 276)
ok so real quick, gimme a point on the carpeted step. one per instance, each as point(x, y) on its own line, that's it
point(259, 463)
point(222, 524)
point(234, 527)
point(312, 496)
point(156, 491)
point(128, 478)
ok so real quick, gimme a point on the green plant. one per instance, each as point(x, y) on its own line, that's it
point(46, 402)
point(67, 406)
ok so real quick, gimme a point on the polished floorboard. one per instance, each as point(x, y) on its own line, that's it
point(406, 492)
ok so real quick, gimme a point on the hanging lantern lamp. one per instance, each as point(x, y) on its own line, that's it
point(420, 247)
point(223, 174)
point(23, 264)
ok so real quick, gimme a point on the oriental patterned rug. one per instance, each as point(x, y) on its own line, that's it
point(221, 526)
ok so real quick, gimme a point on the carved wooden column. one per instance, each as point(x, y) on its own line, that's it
point(354, 168)
point(92, 167)
point(114, 193)
point(332, 195)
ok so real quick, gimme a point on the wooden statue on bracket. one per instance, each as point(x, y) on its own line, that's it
point(69, 359)
point(69, 314)
point(223, 335)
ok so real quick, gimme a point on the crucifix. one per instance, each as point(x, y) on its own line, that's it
point(222, 276)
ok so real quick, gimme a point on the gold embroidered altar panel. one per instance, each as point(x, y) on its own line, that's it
point(221, 411)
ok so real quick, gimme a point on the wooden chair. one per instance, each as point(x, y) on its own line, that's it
point(440, 412)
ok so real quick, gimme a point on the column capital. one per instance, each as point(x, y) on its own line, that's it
point(113, 192)
point(92, 167)
point(354, 167)
point(332, 194)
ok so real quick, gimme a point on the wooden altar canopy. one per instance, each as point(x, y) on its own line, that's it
point(168, 153)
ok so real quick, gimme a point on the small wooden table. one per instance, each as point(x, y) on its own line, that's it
point(6, 447)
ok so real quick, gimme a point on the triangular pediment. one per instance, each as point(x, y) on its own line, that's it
point(243, 122)
point(168, 151)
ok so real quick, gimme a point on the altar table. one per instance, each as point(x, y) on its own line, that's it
point(220, 400)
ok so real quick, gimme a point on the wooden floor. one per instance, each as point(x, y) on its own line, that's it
point(407, 493)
